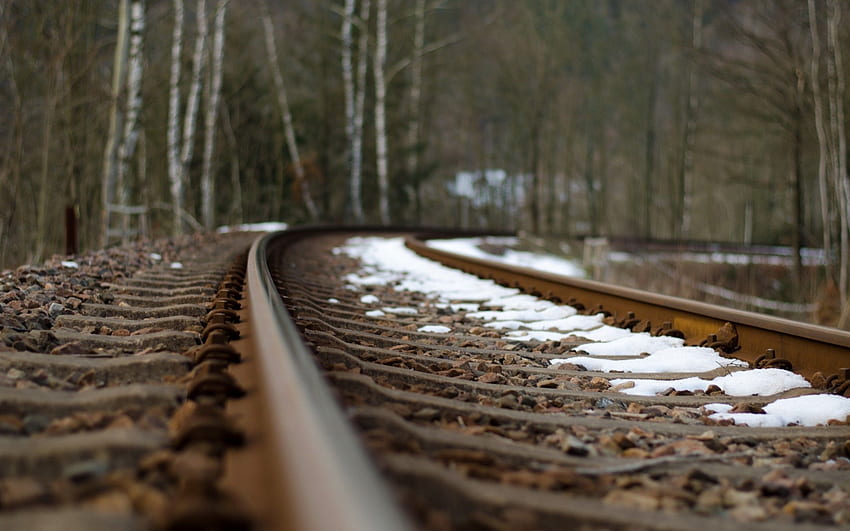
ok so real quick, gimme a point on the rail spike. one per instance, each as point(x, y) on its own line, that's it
point(725, 339)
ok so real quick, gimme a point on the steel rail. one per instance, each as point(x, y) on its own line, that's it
point(327, 480)
point(808, 347)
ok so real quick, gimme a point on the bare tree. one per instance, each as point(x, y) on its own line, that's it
point(175, 173)
point(687, 162)
point(354, 98)
point(286, 115)
point(212, 103)
point(823, 147)
point(380, 60)
point(413, 126)
point(181, 147)
point(127, 149)
point(194, 97)
point(836, 87)
point(116, 120)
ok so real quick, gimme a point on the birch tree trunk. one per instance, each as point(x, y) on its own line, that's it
point(380, 112)
point(127, 149)
point(359, 110)
point(289, 131)
point(823, 147)
point(687, 165)
point(116, 120)
point(194, 98)
point(212, 103)
point(348, 89)
point(415, 99)
point(840, 156)
point(175, 174)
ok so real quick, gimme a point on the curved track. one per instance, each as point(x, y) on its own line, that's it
point(198, 398)
point(473, 432)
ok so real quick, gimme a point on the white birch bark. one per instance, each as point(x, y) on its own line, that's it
point(116, 120)
point(690, 125)
point(837, 90)
point(212, 103)
point(289, 131)
point(823, 151)
point(415, 99)
point(175, 174)
point(127, 149)
point(348, 89)
point(193, 100)
point(359, 110)
point(380, 112)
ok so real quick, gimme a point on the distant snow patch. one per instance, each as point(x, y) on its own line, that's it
point(267, 226)
point(401, 310)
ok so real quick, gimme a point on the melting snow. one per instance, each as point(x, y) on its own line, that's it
point(267, 226)
point(541, 262)
point(808, 410)
point(741, 383)
point(401, 310)
point(434, 329)
point(676, 359)
point(632, 345)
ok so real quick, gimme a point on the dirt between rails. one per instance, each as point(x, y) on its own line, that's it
point(476, 432)
point(93, 370)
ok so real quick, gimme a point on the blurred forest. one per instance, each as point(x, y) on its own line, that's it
point(685, 119)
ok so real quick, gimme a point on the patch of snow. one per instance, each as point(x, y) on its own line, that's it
point(632, 345)
point(401, 310)
point(549, 313)
point(676, 359)
point(155, 256)
point(541, 262)
point(536, 335)
point(375, 313)
point(369, 299)
point(603, 333)
point(70, 264)
point(434, 329)
point(808, 410)
point(762, 382)
point(333, 300)
point(267, 226)
point(176, 265)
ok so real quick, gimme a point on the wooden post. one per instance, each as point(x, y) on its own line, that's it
point(71, 244)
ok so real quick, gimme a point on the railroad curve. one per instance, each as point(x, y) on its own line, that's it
point(283, 387)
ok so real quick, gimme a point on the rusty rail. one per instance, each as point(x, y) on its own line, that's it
point(321, 477)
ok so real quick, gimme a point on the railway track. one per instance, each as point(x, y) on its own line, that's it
point(474, 431)
point(212, 411)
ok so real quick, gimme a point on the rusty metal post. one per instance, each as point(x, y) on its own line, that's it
point(71, 244)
